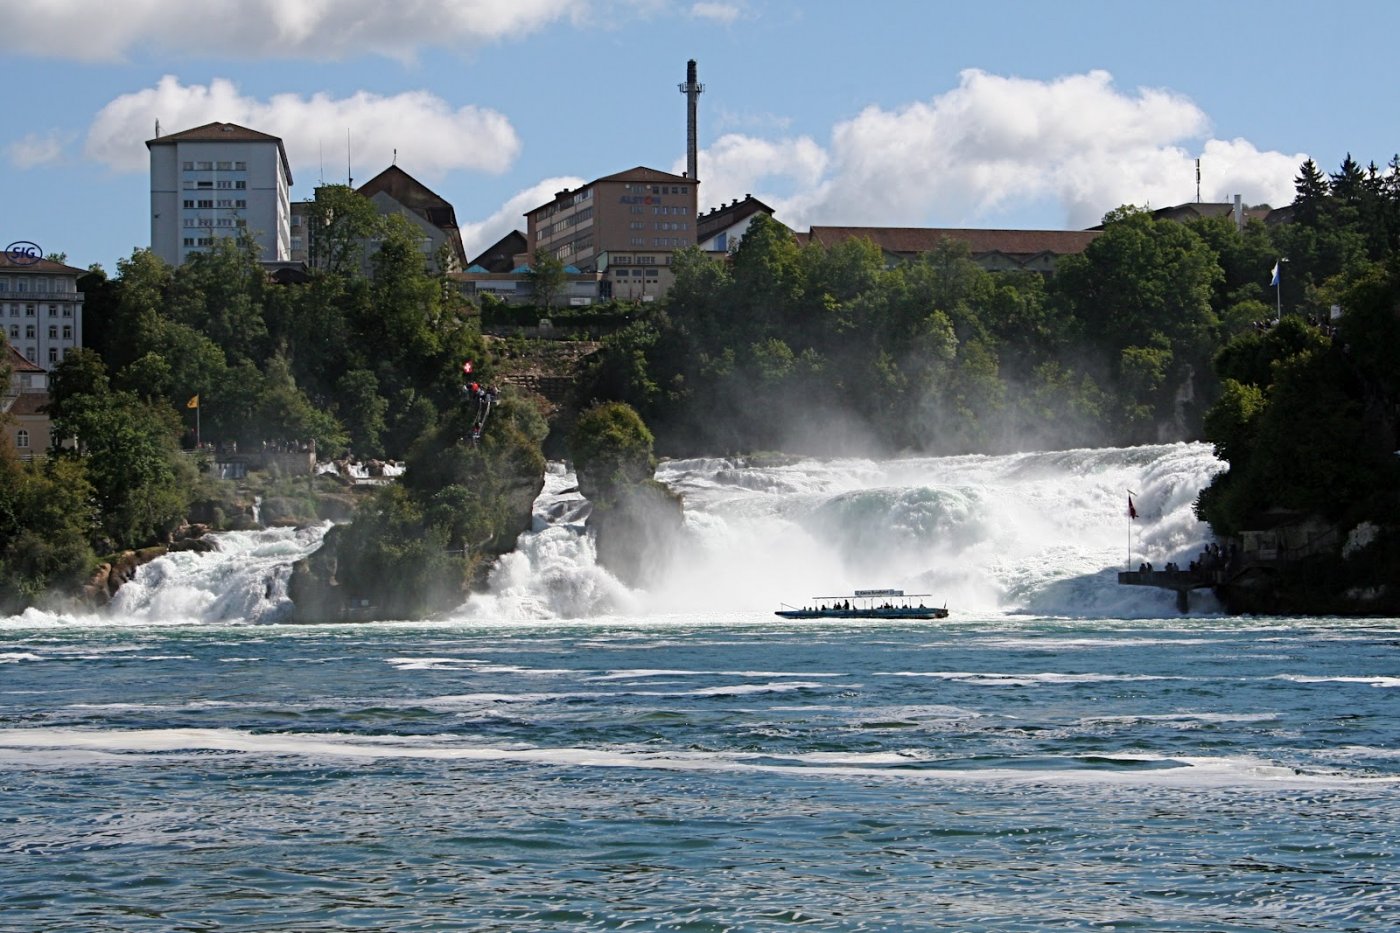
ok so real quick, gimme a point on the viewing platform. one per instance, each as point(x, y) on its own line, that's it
point(1182, 581)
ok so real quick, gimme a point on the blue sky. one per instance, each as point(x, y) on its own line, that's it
point(986, 114)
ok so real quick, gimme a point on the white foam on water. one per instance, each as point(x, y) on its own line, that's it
point(80, 747)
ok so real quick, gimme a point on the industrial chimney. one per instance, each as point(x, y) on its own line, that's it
point(691, 89)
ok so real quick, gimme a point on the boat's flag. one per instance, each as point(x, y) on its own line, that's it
point(1132, 511)
point(193, 402)
point(1273, 281)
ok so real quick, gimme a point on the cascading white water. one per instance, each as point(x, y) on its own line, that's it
point(1038, 533)
point(243, 580)
point(1042, 533)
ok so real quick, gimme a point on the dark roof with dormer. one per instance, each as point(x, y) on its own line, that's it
point(726, 215)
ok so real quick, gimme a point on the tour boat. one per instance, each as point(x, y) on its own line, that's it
point(867, 604)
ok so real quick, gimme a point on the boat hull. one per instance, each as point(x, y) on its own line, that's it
point(900, 614)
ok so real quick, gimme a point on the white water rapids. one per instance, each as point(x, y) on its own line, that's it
point(1037, 533)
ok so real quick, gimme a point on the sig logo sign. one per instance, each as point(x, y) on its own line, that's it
point(23, 253)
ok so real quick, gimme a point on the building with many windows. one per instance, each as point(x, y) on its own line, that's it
point(623, 227)
point(219, 180)
point(41, 309)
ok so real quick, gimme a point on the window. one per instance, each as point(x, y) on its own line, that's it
point(240, 166)
point(225, 166)
point(240, 185)
point(206, 204)
point(652, 273)
point(189, 241)
point(21, 438)
point(53, 354)
point(67, 331)
point(53, 310)
point(67, 310)
point(225, 202)
point(205, 166)
point(224, 184)
point(187, 166)
point(53, 331)
point(28, 310)
point(189, 205)
point(621, 273)
point(29, 331)
point(14, 331)
point(203, 184)
point(239, 202)
point(636, 241)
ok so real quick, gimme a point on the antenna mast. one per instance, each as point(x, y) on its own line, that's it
point(691, 89)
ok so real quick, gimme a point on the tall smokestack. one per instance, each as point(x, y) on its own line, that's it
point(691, 89)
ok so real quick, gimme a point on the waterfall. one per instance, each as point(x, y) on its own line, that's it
point(1037, 533)
point(1042, 533)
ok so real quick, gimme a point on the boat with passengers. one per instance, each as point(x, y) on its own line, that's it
point(867, 604)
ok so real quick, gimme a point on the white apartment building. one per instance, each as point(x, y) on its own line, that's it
point(41, 309)
point(217, 180)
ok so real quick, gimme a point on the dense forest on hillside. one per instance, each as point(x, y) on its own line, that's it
point(1158, 331)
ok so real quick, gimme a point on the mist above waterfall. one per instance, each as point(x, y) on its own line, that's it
point(1041, 533)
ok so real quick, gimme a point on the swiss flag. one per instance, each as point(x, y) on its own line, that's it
point(1132, 512)
point(467, 366)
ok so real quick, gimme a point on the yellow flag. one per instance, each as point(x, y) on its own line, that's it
point(193, 403)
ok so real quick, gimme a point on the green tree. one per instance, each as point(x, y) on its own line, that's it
point(546, 276)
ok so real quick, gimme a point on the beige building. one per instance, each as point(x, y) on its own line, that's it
point(24, 424)
point(623, 227)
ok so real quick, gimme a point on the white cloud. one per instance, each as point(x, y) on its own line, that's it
point(511, 216)
point(430, 136)
point(993, 143)
point(723, 13)
point(100, 30)
point(36, 149)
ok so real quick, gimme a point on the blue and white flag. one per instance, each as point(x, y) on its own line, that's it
point(1274, 281)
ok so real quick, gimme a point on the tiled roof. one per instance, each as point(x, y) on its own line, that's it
point(43, 265)
point(915, 240)
point(18, 363)
point(642, 173)
point(29, 404)
point(224, 133)
point(215, 132)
